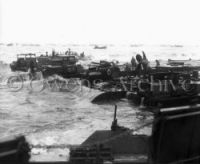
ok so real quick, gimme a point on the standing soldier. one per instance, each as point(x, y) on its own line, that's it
point(144, 59)
point(133, 64)
point(157, 63)
point(32, 69)
point(143, 64)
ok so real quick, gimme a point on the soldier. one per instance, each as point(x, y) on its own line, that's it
point(157, 63)
point(53, 52)
point(144, 59)
point(143, 64)
point(133, 63)
point(32, 69)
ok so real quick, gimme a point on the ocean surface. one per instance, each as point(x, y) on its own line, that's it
point(53, 120)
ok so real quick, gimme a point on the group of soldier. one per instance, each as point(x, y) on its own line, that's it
point(141, 64)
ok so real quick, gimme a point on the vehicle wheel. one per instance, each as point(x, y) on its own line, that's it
point(15, 83)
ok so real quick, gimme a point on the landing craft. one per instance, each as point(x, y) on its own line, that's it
point(176, 68)
point(151, 89)
point(166, 89)
point(169, 142)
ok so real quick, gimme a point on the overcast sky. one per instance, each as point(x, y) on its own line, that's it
point(100, 21)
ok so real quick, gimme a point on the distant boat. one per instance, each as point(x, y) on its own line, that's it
point(178, 62)
point(10, 44)
point(100, 47)
point(176, 45)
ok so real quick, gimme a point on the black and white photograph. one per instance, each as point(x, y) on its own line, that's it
point(99, 82)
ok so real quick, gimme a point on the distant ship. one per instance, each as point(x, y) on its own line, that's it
point(100, 47)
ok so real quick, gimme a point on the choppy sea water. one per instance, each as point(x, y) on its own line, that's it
point(57, 119)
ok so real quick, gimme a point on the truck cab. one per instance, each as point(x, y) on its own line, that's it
point(23, 62)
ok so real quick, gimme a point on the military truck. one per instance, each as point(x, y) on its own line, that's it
point(62, 65)
point(103, 70)
point(23, 62)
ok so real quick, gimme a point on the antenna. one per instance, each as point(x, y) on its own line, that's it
point(114, 123)
point(115, 113)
